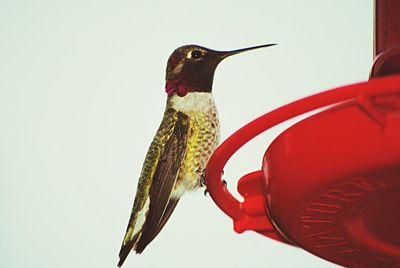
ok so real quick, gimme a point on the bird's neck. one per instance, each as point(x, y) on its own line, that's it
point(192, 102)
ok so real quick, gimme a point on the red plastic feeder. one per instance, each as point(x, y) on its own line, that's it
point(330, 183)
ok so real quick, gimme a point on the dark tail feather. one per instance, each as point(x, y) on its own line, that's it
point(148, 236)
point(125, 250)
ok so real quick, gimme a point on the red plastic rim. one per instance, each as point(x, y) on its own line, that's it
point(356, 92)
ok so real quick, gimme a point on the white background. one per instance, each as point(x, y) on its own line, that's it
point(82, 94)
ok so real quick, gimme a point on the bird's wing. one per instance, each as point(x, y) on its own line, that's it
point(158, 177)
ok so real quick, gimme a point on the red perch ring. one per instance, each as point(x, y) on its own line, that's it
point(330, 183)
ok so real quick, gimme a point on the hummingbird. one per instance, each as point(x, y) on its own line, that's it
point(178, 155)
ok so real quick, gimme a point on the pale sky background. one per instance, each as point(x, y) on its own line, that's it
point(82, 94)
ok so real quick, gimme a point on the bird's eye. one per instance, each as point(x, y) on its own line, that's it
point(196, 54)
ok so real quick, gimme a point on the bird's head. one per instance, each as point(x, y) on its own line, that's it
point(191, 68)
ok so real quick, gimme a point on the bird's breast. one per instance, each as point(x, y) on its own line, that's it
point(202, 141)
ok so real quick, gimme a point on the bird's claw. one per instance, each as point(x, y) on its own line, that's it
point(205, 192)
point(223, 182)
point(203, 182)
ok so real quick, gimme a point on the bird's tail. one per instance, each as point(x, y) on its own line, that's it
point(125, 249)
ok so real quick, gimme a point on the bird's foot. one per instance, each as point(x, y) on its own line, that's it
point(223, 182)
point(202, 175)
point(203, 181)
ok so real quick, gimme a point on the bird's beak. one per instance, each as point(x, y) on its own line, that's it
point(225, 54)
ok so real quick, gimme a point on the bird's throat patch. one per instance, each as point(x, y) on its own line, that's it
point(173, 87)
